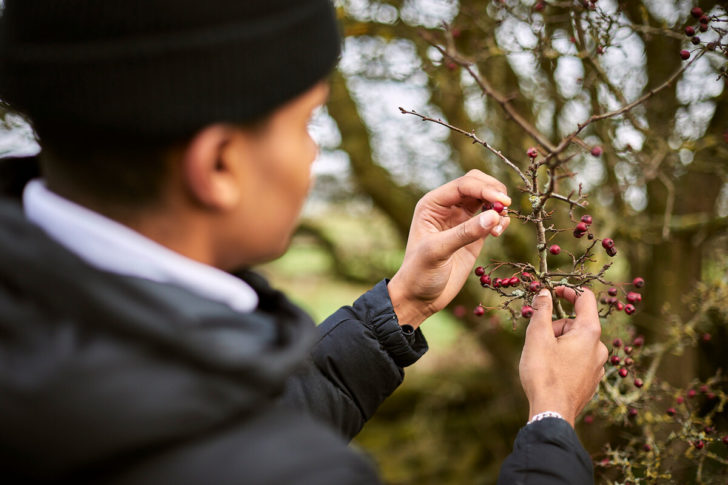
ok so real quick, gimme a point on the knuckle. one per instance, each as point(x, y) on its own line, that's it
point(474, 172)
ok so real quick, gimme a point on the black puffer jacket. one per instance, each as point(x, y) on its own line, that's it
point(112, 379)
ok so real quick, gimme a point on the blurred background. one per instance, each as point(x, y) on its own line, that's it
point(660, 189)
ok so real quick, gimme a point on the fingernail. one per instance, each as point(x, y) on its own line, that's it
point(544, 292)
point(487, 219)
point(497, 230)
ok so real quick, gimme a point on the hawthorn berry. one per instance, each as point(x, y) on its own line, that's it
point(498, 207)
point(479, 311)
point(704, 19)
point(706, 337)
point(479, 271)
point(710, 396)
point(699, 444)
point(690, 31)
point(607, 243)
point(590, 236)
point(612, 300)
point(534, 286)
point(709, 429)
point(526, 311)
point(628, 349)
point(555, 249)
point(629, 309)
point(596, 151)
point(628, 361)
point(703, 27)
point(532, 152)
point(638, 383)
point(684, 55)
point(680, 400)
point(695, 40)
point(614, 360)
point(578, 234)
point(623, 372)
point(620, 306)
point(638, 341)
point(632, 412)
point(647, 447)
point(638, 282)
point(634, 297)
point(612, 291)
point(581, 227)
point(704, 389)
point(514, 281)
point(617, 342)
point(612, 252)
point(725, 440)
point(696, 12)
point(691, 393)
point(588, 419)
point(497, 283)
point(485, 280)
point(451, 66)
point(527, 275)
point(671, 411)
point(586, 219)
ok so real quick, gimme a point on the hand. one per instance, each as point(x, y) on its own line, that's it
point(562, 361)
point(445, 238)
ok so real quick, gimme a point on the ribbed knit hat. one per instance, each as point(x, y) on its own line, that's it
point(161, 68)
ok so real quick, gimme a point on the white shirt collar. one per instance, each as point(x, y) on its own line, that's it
point(113, 247)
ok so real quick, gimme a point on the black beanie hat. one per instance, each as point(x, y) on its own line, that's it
point(160, 68)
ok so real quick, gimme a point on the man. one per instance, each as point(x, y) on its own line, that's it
point(136, 346)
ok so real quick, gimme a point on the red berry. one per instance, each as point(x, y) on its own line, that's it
point(456, 32)
point(671, 411)
point(596, 151)
point(710, 396)
point(534, 286)
point(690, 31)
point(696, 12)
point(695, 40)
point(628, 349)
point(451, 66)
point(632, 412)
point(620, 306)
point(539, 6)
point(588, 419)
point(459, 311)
point(526, 311)
point(514, 281)
point(639, 341)
point(479, 311)
point(709, 429)
point(647, 447)
point(607, 243)
point(634, 297)
point(638, 383)
point(638, 282)
point(555, 249)
point(623, 372)
point(600, 51)
point(581, 227)
point(628, 361)
point(614, 360)
point(691, 393)
point(526, 275)
point(704, 19)
point(629, 309)
point(703, 27)
point(612, 291)
point(485, 280)
point(590, 236)
point(612, 252)
point(578, 234)
point(617, 342)
point(699, 444)
point(680, 400)
point(479, 271)
point(498, 207)
point(532, 152)
point(704, 389)
point(685, 54)
point(725, 440)
point(586, 219)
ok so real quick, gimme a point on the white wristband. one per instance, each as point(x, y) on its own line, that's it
point(546, 414)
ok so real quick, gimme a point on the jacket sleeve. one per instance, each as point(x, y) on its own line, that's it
point(357, 362)
point(547, 452)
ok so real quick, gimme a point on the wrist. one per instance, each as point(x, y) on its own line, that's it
point(408, 311)
point(541, 408)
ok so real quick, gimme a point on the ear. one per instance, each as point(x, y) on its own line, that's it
point(210, 171)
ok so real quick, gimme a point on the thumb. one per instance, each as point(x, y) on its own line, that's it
point(472, 230)
point(541, 326)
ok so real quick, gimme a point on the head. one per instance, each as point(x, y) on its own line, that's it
point(185, 120)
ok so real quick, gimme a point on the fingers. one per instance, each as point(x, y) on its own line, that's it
point(473, 185)
point(474, 229)
point(541, 326)
point(585, 303)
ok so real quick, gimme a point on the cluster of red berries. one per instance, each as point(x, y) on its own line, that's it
point(690, 31)
point(627, 361)
point(486, 280)
point(632, 297)
point(496, 206)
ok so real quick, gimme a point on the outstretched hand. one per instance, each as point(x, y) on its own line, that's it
point(447, 233)
point(562, 360)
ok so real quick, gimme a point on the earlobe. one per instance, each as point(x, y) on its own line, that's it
point(210, 172)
